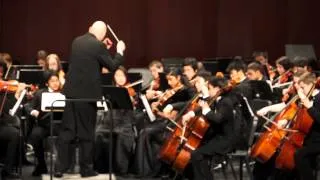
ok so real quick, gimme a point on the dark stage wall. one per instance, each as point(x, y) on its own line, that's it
point(161, 28)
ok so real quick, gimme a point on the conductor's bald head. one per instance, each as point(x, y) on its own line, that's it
point(98, 29)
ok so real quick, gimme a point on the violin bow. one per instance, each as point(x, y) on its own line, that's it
point(113, 34)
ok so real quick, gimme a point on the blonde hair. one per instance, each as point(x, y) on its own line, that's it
point(56, 57)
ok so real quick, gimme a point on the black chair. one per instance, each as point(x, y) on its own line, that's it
point(243, 154)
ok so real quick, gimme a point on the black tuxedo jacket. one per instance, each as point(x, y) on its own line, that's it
point(87, 57)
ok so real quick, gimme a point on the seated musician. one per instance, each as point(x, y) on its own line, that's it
point(262, 58)
point(221, 136)
point(262, 171)
point(152, 135)
point(237, 70)
point(42, 130)
point(300, 64)
point(190, 69)
point(155, 67)
point(306, 156)
point(9, 133)
point(121, 80)
point(53, 63)
point(284, 68)
point(255, 72)
point(41, 58)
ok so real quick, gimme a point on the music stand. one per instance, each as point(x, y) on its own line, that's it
point(107, 79)
point(261, 89)
point(118, 96)
point(31, 76)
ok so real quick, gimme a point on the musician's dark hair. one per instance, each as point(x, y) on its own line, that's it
point(206, 75)
point(299, 61)
point(157, 63)
point(175, 71)
point(285, 62)
point(220, 82)
point(237, 65)
point(48, 74)
point(260, 53)
point(256, 66)
point(190, 61)
point(42, 54)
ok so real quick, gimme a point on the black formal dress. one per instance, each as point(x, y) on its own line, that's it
point(87, 57)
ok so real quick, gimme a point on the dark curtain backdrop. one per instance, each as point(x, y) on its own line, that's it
point(161, 28)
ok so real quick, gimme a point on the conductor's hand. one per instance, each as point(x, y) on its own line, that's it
point(121, 47)
point(108, 43)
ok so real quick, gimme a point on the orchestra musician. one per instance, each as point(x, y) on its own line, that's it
point(255, 72)
point(88, 53)
point(221, 136)
point(190, 69)
point(42, 129)
point(53, 63)
point(152, 135)
point(306, 156)
point(9, 132)
point(262, 58)
point(265, 170)
point(284, 68)
point(237, 70)
point(155, 87)
point(41, 58)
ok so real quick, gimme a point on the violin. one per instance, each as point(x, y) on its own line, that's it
point(285, 77)
point(166, 96)
point(130, 88)
point(290, 92)
point(12, 86)
point(271, 71)
point(155, 84)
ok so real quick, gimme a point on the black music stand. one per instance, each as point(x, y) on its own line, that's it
point(31, 76)
point(119, 99)
point(52, 108)
point(107, 79)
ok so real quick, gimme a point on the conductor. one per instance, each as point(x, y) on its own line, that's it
point(89, 53)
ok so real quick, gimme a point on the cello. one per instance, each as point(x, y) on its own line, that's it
point(177, 149)
point(268, 143)
point(294, 140)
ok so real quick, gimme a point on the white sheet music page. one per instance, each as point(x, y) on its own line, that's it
point(49, 97)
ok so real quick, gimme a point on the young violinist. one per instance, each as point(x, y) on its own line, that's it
point(255, 72)
point(42, 129)
point(217, 107)
point(155, 87)
point(306, 156)
point(152, 135)
point(237, 70)
point(9, 132)
point(262, 58)
point(121, 80)
point(190, 69)
point(53, 63)
point(284, 69)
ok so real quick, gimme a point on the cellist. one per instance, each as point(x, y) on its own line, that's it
point(221, 136)
point(305, 156)
point(151, 136)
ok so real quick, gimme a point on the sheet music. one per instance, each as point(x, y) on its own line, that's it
point(49, 97)
point(146, 104)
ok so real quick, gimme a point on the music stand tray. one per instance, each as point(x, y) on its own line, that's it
point(31, 76)
point(118, 96)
